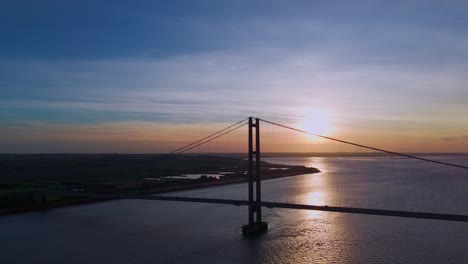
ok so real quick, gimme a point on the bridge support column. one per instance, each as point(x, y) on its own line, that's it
point(254, 226)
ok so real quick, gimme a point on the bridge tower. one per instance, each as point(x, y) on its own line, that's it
point(255, 224)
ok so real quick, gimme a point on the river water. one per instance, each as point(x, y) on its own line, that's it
point(136, 231)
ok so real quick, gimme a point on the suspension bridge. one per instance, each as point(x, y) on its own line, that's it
point(254, 203)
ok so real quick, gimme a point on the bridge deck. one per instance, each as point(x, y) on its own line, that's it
point(352, 210)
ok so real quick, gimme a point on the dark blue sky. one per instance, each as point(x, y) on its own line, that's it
point(82, 30)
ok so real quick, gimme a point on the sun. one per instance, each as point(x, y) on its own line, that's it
point(316, 121)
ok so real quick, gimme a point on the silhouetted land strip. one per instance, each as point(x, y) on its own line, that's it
point(22, 175)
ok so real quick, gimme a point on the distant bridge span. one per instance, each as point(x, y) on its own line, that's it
point(351, 210)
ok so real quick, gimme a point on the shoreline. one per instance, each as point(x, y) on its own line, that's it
point(155, 191)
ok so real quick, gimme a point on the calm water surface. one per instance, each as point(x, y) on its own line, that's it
point(131, 231)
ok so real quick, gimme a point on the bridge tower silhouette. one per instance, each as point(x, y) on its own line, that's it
point(255, 224)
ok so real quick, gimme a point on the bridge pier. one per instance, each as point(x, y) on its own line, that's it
point(254, 226)
point(255, 229)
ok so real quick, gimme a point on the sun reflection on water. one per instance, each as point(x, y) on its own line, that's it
point(317, 187)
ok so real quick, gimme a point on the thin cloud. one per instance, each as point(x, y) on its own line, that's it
point(455, 138)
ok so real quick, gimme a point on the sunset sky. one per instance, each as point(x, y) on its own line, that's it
point(149, 76)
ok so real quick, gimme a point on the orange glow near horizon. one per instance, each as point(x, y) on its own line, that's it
point(147, 137)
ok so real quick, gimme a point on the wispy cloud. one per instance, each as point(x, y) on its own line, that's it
point(455, 138)
point(230, 84)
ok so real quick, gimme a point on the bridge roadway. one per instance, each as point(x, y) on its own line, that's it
point(352, 210)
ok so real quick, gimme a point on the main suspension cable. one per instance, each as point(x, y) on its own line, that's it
point(182, 149)
point(367, 147)
point(208, 138)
